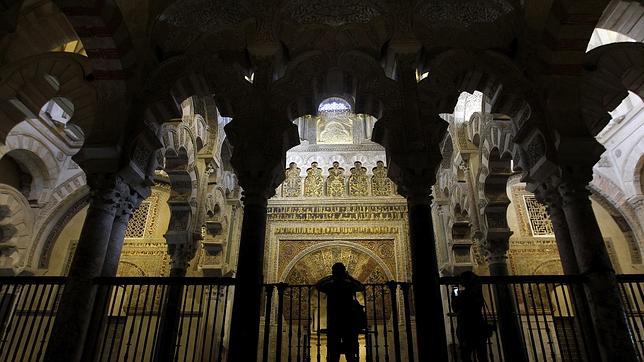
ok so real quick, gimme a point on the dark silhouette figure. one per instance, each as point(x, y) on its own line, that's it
point(472, 329)
point(345, 316)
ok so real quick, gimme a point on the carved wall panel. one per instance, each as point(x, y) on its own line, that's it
point(528, 258)
point(144, 257)
point(335, 181)
point(381, 185)
point(540, 223)
point(293, 183)
point(313, 182)
point(137, 224)
point(359, 184)
point(532, 216)
point(335, 128)
point(358, 181)
point(304, 239)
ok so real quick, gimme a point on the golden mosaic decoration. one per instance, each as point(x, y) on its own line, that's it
point(358, 181)
point(293, 182)
point(381, 185)
point(335, 181)
point(313, 182)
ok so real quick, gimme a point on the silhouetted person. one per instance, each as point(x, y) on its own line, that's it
point(472, 329)
point(344, 317)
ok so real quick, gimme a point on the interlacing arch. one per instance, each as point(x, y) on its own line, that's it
point(127, 76)
point(493, 74)
point(38, 160)
point(16, 225)
point(40, 28)
point(496, 141)
point(614, 69)
point(615, 202)
point(28, 85)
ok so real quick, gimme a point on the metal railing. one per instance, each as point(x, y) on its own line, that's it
point(542, 317)
point(150, 316)
point(27, 308)
point(294, 323)
point(188, 318)
point(631, 287)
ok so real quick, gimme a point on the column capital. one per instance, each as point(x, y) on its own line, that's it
point(106, 191)
point(573, 184)
point(496, 255)
point(182, 248)
point(130, 202)
point(548, 194)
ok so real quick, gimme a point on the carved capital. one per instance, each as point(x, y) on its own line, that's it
point(496, 251)
point(129, 203)
point(548, 194)
point(573, 184)
point(106, 191)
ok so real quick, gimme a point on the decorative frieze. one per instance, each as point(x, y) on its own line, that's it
point(337, 213)
point(337, 184)
point(336, 230)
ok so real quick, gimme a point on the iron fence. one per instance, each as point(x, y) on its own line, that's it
point(631, 291)
point(139, 319)
point(542, 318)
point(27, 309)
point(148, 317)
point(294, 323)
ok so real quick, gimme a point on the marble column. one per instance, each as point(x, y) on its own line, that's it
point(552, 199)
point(244, 328)
point(77, 301)
point(181, 252)
point(124, 212)
point(509, 321)
point(430, 322)
point(606, 309)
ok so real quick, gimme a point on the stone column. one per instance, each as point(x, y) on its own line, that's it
point(259, 160)
point(413, 158)
point(550, 196)
point(182, 249)
point(244, 329)
point(430, 322)
point(124, 211)
point(77, 301)
point(438, 212)
point(117, 235)
point(606, 309)
point(509, 321)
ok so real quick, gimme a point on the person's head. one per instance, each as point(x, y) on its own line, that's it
point(469, 278)
point(338, 270)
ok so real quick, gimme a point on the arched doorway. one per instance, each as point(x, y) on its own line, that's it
point(304, 316)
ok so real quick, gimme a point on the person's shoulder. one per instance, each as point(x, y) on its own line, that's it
point(324, 282)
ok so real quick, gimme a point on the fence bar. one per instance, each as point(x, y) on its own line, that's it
point(130, 322)
point(267, 320)
point(408, 330)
